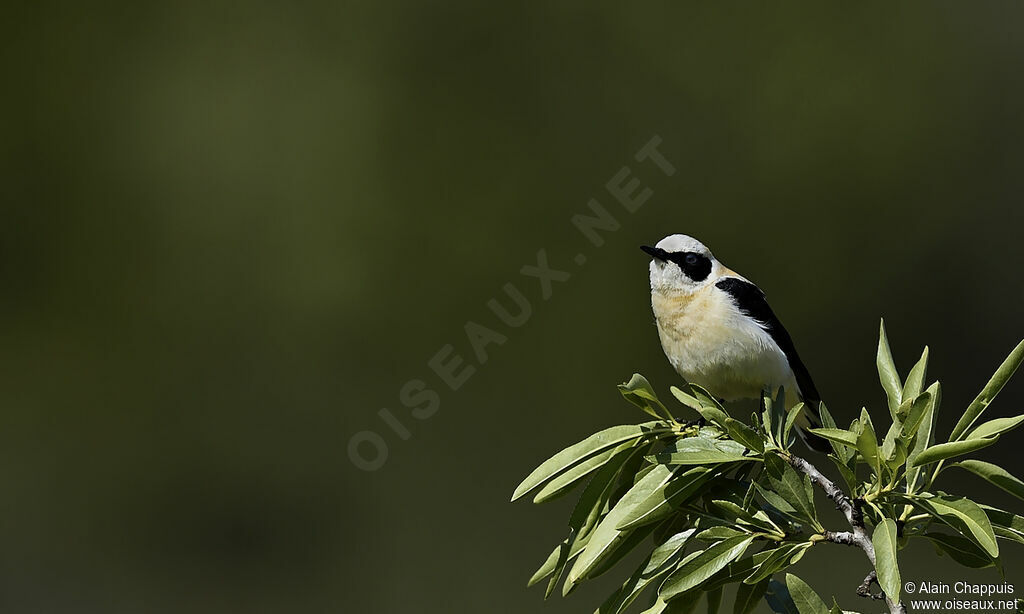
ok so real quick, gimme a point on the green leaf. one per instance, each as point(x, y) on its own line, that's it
point(951, 449)
point(639, 392)
point(779, 415)
point(662, 501)
point(664, 553)
point(961, 514)
point(886, 564)
point(702, 451)
point(1006, 525)
point(925, 435)
point(607, 537)
point(788, 483)
point(736, 513)
point(717, 534)
point(779, 599)
point(608, 438)
point(915, 379)
point(867, 443)
point(806, 600)
point(585, 515)
point(992, 388)
point(744, 435)
point(652, 570)
point(778, 559)
point(632, 540)
point(843, 452)
point(748, 596)
point(838, 436)
point(994, 474)
point(847, 472)
point(961, 550)
point(915, 413)
point(710, 408)
point(565, 481)
point(703, 566)
point(791, 417)
point(995, 427)
point(887, 373)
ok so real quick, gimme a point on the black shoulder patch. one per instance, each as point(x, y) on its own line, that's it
point(751, 301)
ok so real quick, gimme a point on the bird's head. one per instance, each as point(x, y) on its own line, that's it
point(681, 264)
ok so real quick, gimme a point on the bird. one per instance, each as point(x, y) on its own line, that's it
point(718, 331)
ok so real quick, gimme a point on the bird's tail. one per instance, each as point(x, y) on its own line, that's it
point(808, 419)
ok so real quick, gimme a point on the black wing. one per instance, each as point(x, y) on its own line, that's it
point(751, 301)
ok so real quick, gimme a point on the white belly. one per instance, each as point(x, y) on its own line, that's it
point(711, 343)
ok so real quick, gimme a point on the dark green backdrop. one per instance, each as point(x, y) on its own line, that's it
point(231, 232)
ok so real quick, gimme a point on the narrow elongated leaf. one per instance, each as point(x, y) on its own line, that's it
point(867, 443)
point(737, 513)
point(548, 567)
point(961, 550)
point(703, 566)
point(598, 442)
point(652, 570)
point(886, 566)
point(702, 451)
point(748, 596)
point(951, 449)
point(846, 471)
point(779, 502)
point(600, 489)
point(915, 379)
point(639, 392)
point(664, 553)
point(745, 435)
point(807, 601)
point(622, 549)
point(1006, 525)
point(779, 559)
point(839, 436)
point(914, 415)
point(989, 392)
point(995, 427)
point(925, 435)
point(566, 480)
point(686, 398)
point(842, 451)
point(788, 483)
point(994, 474)
point(791, 417)
point(607, 537)
point(779, 415)
point(710, 408)
point(717, 534)
point(963, 515)
point(662, 500)
point(887, 373)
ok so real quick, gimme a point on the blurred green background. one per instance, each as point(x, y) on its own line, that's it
point(231, 232)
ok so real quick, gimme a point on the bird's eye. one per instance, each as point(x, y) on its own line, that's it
point(691, 258)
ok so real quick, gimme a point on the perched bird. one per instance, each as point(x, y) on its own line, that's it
point(718, 331)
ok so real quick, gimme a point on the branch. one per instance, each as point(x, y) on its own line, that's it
point(850, 508)
point(864, 590)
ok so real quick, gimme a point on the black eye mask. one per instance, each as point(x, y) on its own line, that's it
point(696, 266)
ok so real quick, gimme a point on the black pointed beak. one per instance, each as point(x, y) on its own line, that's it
point(654, 252)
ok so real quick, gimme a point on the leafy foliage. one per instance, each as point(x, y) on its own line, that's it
point(721, 500)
